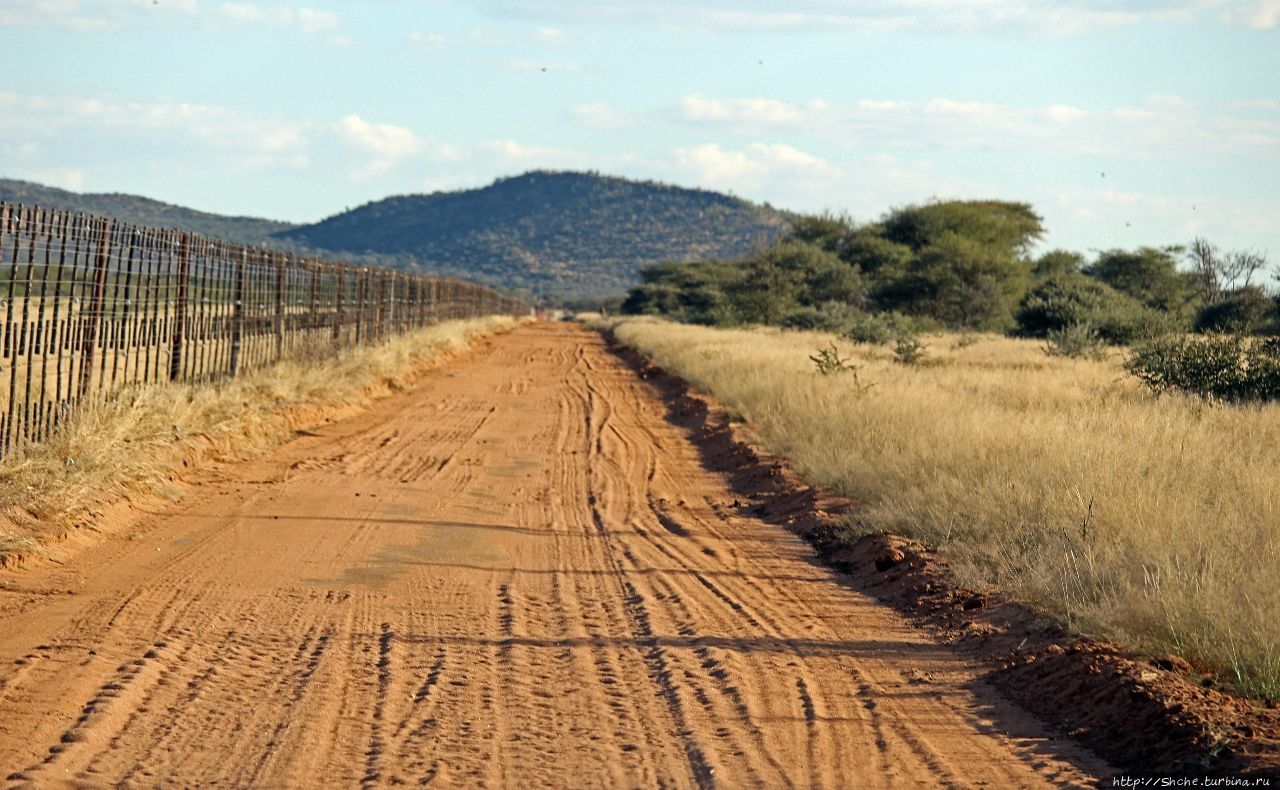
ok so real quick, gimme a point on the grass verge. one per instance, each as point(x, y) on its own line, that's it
point(139, 440)
point(1154, 522)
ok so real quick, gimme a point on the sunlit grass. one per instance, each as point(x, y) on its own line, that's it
point(1155, 522)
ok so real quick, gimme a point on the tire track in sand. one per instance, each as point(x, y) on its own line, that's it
point(518, 573)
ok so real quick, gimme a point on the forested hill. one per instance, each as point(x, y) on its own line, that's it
point(574, 234)
point(143, 211)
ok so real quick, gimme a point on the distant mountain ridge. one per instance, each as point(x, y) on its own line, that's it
point(550, 232)
point(566, 234)
point(143, 211)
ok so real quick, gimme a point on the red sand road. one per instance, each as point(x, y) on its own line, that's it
point(516, 574)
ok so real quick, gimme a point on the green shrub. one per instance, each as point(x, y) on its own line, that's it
point(1076, 341)
point(1072, 299)
point(960, 282)
point(1241, 310)
point(1229, 367)
point(881, 328)
point(834, 317)
point(809, 319)
point(1147, 274)
point(908, 350)
point(829, 362)
point(1123, 325)
point(1056, 262)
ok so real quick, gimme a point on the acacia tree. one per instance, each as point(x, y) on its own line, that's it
point(1007, 227)
point(961, 282)
point(1147, 274)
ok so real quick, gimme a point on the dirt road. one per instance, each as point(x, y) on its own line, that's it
point(516, 575)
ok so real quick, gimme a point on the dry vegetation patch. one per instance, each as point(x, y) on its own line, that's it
point(137, 442)
point(1150, 521)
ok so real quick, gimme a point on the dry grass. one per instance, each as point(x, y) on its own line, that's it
point(137, 441)
point(1155, 522)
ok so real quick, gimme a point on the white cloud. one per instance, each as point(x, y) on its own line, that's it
point(713, 164)
point(1257, 104)
point(216, 127)
point(248, 14)
point(1160, 125)
point(1064, 113)
point(599, 115)
point(311, 21)
point(552, 36)
point(430, 41)
point(72, 178)
point(90, 15)
point(65, 140)
point(967, 109)
point(389, 144)
point(769, 112)
point(969, 17)
point(1263, 15)
point(526, 155)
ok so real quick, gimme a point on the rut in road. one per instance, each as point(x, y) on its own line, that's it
point(516, 574)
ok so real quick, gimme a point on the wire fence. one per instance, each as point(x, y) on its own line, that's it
point(91, 306)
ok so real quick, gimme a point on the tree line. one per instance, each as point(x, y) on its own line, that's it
point(963, 265)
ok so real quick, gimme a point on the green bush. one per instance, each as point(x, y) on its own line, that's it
point(959, 281)
point(1229, 367)
point(829, 362)
point(908, 350)
point(1076, 341)
point(1055, 262)
point(825, 230)
point(881, 328)
point(834, 317)
point(1123, 325)
point(1241, 310)
point(874, 255)
point(1147, 274)
point(1000, 228)
point(1072, 299)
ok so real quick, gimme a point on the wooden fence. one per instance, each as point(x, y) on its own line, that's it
point(90, 306)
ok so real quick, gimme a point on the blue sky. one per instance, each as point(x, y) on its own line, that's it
point(1124, 122)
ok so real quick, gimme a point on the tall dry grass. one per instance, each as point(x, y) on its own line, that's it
point(1155, 522)
point(135, 442)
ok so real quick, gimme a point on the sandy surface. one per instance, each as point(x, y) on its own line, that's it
point(516, 575)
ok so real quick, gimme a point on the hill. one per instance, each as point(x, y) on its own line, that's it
point(567, 235)
point(562, 233)
point(143, 211)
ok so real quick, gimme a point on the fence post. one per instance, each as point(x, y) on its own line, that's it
point(337, 313)
point(313, 314)
point(94, 308)
point(13, 274)
point(381, 317)
point(179, 339)
point(237, 314)
point(391, 302)
point(375, 305)
point(280, 282)
point(360, 306)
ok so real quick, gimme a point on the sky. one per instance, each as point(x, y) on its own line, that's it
point(1123, 122)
